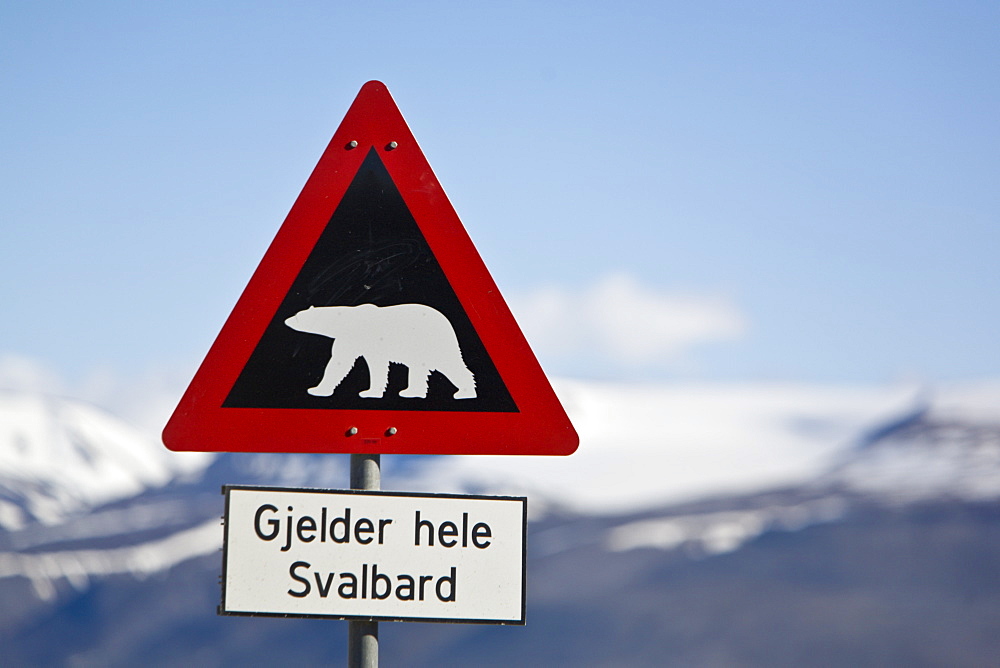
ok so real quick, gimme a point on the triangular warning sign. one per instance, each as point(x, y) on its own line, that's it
point(371, 325)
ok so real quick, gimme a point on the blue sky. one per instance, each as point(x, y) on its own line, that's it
point(716, 190)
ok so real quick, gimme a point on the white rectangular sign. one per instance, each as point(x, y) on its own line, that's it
point(383, 556)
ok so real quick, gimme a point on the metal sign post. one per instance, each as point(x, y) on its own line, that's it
point(362, 636)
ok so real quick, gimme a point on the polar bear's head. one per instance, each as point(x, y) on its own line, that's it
point(332, 321)
point(316, 320)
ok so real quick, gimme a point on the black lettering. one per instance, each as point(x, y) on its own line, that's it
point(364, 525)
point(424, 579)
point(422, 523)
point(376, 579)
point(446, 580)
point(364, 581)
point(288, 532)
point(272, 523)
point(349, 587)
point(306, 524)
point(481, 530)
point(465, 529)
point(322, 525)
point(404, 592)
point(324, 590)
point(344, 521)
point(447, 529)
point(299, 578)
point(381, 529)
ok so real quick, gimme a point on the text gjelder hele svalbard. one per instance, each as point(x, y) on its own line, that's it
point(367, 581)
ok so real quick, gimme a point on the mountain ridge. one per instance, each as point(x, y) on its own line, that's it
point(89, 578)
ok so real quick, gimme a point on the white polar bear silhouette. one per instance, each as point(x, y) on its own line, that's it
point(414, 335)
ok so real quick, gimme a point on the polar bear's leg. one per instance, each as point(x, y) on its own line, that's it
point(465, 382)
point(417, 387)
point(462, 378)
point(378, 375)
point(336, 370)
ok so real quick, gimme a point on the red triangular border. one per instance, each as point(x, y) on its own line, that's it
point(541, 427)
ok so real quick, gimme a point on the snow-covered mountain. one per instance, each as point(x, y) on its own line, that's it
point(60, 457)
point(65, 464)
point(941, 447)
point(641, 446)
point(947, 448)
point(667, 477)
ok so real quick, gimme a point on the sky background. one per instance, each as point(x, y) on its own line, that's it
point(663, 191)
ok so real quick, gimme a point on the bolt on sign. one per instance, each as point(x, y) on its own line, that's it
point(380, 556)
point(371, 324)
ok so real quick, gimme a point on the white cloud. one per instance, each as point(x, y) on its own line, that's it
point(619, 323)
point(27, 375)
